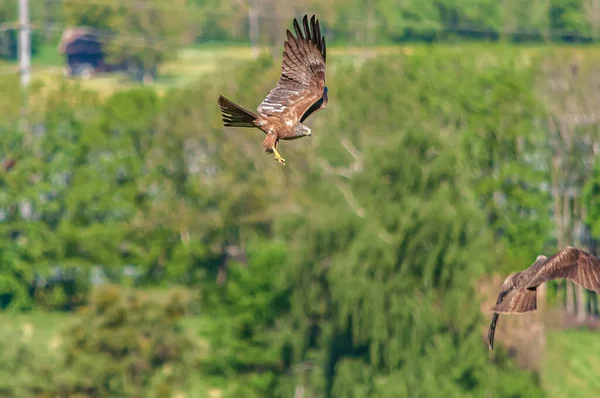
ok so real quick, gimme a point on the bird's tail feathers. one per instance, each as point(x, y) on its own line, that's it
point(234, 115)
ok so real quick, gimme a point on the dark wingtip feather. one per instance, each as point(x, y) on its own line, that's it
point(318, 38)
point(492, 331)
point(318, 34)
point(298, 30)
point(308, 31)
point(320, 42)
point(306, 27)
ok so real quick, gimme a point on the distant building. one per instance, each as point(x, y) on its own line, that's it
point(84, 52)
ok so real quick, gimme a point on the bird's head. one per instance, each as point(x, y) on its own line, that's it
point(301, 130)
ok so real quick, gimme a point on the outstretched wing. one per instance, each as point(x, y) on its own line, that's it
point(570, 263)
point(302, 79)
point(513, 299)
point(517, 301)
point(510, 283)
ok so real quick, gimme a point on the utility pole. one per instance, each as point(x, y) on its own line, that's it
point(24, 65)
point(253, 15)
point(24, 43)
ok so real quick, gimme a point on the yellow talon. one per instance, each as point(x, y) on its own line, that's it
point(278, 157)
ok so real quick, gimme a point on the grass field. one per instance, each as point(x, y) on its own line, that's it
point(572, 364)
point(41, 331)
point(190, 64)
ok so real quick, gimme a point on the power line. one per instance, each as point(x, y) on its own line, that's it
point(4, 26)
point(24, 63)
point(125, 38)
point(288, 14)
point(136, 5)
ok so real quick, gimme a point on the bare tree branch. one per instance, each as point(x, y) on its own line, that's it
point(362, 213)
point(356, 154)
point(346, 172)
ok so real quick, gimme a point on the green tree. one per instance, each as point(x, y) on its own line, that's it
point(386, 272)
point(123, 345)
point(591, 194)
point(244, 332)
point(380, 259)
point(15, 278)
point(497, 115)
point(36, 187)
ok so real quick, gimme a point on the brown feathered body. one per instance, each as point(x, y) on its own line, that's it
point(518, 293)
point(300, 91)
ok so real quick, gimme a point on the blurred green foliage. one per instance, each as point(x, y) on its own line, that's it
point(362, 257)
point(384, 21)
point(121, 345)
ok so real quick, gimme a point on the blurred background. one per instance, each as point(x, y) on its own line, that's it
point(146, 251)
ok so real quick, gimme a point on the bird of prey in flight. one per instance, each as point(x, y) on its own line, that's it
point(300, 91)
point(518, 292)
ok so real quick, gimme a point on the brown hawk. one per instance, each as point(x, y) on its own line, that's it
point(518, 292)
point(300, 91)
